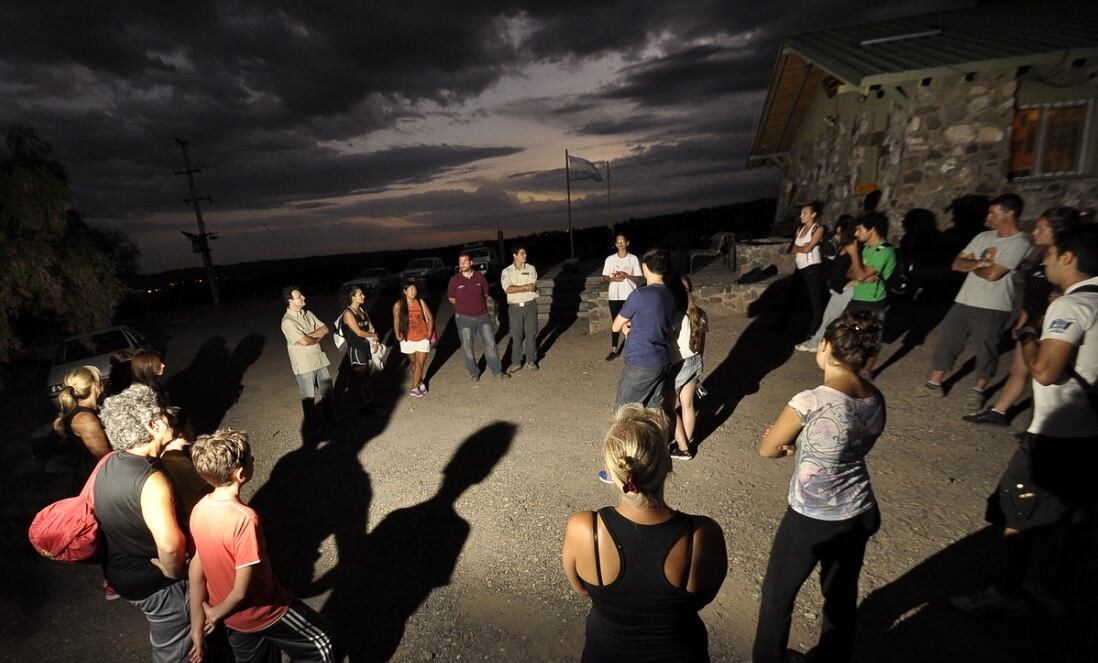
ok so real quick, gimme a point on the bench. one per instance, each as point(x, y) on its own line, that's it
point(723, 245)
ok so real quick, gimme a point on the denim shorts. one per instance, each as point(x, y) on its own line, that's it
point(689, 370)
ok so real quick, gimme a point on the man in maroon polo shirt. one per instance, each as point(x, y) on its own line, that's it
point(468, 292)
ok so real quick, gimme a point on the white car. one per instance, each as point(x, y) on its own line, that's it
point(94, 349)
point(374, 279)
point(424, 270)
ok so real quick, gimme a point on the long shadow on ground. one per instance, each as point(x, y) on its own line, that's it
point(213, 381)
point(760, 349)
point(321, 490)
point(410, 553)
point(911, 621)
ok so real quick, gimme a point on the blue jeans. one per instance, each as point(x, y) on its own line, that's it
point(646, 386)
point(469, 326)
point(835, 307)
point(315, 384)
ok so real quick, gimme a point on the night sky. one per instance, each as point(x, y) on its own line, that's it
point(330, 128)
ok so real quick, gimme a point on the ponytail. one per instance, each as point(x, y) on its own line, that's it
point(695, 316)
point(77, 385)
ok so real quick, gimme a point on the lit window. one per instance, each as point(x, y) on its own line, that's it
point(1048, 140)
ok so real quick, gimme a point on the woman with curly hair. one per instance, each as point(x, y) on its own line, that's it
point(832, 511)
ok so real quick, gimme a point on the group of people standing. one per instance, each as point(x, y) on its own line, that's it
point(177, 542)
point(647, 568)
point(664, 343)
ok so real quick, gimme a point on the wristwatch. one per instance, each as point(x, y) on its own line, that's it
point(1027, 334)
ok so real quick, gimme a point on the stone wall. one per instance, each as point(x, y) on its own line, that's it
point(944, 140)
point(951, 139)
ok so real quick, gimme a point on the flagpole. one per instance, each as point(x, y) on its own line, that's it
point(609, 217)
point(568, 186)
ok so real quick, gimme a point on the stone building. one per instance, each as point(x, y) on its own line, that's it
point(929, 109)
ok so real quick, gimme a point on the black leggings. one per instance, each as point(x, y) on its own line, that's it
point(615, 309)
point(800, 543)
point(814, 279)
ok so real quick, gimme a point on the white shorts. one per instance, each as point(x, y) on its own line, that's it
point(409, 347)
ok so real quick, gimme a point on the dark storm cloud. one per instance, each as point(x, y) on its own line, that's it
point(690, 76)
point(278, 100)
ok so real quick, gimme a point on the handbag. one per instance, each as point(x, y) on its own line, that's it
point(67, 530)
point(378, 350)
point(337, 333)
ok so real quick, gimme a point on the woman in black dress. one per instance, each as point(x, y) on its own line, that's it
point(361, 338)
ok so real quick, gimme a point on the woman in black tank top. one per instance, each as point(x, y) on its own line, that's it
point(647, 568)
point(77, 418)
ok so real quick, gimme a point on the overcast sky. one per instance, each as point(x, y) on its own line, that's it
point(337, 128)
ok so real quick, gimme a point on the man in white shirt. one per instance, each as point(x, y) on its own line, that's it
point(986, 299)
point(622, 270)
point(519, 281)
point(1048, 482)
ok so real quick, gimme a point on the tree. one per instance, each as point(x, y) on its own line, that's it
point(52, 264)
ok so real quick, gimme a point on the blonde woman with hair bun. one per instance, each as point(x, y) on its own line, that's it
point(647, 568)
point(78, 415)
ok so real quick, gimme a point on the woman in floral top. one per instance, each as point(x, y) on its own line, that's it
point(832, 510)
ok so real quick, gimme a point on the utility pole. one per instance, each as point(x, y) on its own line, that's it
point(200, 243)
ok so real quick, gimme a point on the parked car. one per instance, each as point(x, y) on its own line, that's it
point(484, 258)
point(374, 279)
point(94, 349)
point(425, 270)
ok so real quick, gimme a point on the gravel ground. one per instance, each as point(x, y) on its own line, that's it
point(431, 529)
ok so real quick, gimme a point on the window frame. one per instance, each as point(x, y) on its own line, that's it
point(1082, 163)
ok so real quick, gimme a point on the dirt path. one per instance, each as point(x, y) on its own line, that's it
point(431, 530)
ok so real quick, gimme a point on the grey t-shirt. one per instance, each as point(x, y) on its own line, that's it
point(1010, 251)
point(830, 480)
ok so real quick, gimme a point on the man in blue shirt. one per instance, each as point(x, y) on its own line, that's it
point(646, 319)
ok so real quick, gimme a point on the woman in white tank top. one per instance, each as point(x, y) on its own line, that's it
point(810, 271)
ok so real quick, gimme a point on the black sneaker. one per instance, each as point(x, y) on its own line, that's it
point(612, 356)
point(679, 454)
point(990, 417)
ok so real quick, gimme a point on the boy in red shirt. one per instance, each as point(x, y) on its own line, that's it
point(230, 575)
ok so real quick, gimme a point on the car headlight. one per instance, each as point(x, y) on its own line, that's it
point(56, 388)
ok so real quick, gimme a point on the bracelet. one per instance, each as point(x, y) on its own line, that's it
point(1026, 334)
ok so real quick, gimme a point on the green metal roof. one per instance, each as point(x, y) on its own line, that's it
point(959, 41)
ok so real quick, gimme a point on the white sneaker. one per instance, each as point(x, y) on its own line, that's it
point(804, 347)
point(989, 602)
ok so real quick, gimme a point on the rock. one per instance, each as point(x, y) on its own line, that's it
point(978, 104)
point(989, 135)
point(960, 134)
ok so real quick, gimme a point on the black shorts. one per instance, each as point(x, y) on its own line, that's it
point(1046, 482)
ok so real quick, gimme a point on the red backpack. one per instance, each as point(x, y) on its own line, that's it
point(67, 530)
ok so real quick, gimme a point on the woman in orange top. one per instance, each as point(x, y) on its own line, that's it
point(413, 324)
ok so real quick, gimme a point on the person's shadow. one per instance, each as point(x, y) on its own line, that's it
point(321, 490)
point(410, 553)
point(759, 350)
point(448, 340)
point(910, 620)
point(212, 383)
point(566, 300)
